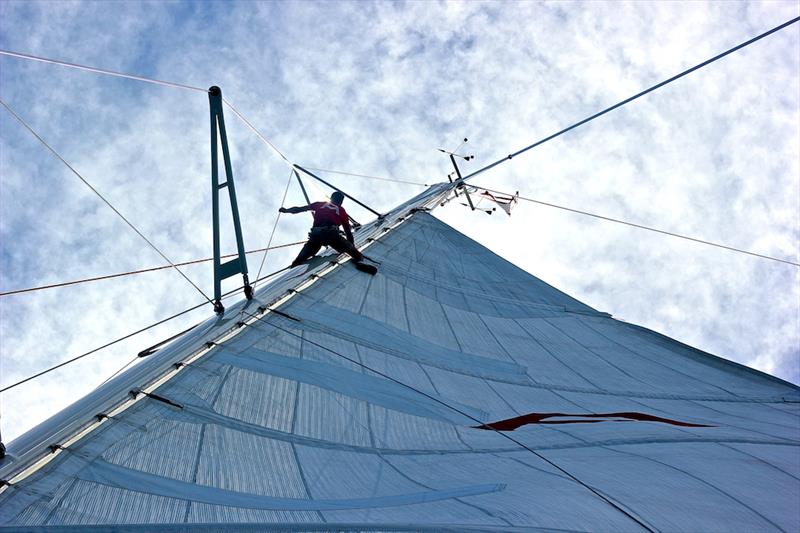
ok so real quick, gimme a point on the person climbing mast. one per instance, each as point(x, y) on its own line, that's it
point(328, 216)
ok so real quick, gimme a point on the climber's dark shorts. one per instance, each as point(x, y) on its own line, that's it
point(327, 236)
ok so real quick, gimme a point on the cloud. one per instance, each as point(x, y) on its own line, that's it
point(375, 88)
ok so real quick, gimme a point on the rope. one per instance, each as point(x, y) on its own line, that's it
point(129, 335)
point(157, 346)
point(274, 226)
point(153, 246)
point(365, 206)
point(609, 219)
point(110, 276)
point(101, 71)
point(150, 80)
point(663, 232)
point(118, 372)
point(634, 97)
point(144, 79)
point(258, 133)
point(318, 190)
point(302, 187)
point(395, 180)
point(457, 410)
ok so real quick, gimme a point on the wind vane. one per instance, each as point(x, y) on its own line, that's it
point(506, 202)
point(460, 179)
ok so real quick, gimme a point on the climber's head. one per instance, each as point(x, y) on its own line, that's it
point(337, 198)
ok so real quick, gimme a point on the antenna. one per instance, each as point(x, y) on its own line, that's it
point(238, 264)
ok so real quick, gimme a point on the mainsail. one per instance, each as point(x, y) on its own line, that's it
point(452, 391)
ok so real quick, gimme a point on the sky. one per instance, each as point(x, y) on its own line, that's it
point(375, 88)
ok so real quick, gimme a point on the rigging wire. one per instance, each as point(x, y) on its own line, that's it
point(145, 79)
point(596, 492)
point(129, 335)
point(663, 232)
point(132, 272)
point(149, 351)
point(85, 182)
point(100, 70)
point(73, 359)
point(610, 219)
point(334, 187)
point(634, 97)
point(274, 227)
point(258, 133)
point(395, 180)
point(320, 193)
point(118, 372)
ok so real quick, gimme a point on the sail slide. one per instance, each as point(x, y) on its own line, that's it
point(452, 391)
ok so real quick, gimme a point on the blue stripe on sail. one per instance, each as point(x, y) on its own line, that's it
point(372, 389)
point(138, 481)
point(380, 336)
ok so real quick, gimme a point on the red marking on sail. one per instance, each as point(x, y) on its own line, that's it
point(510, 424)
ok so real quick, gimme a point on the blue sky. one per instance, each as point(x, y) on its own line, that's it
point(376, 88)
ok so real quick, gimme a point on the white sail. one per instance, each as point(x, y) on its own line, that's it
point(450, 392)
